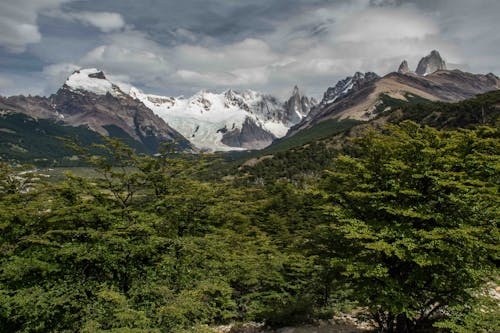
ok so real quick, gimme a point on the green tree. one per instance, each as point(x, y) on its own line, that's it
point(412, 221)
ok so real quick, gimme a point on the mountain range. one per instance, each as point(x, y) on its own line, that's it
point(231, 120)
point(363, 96)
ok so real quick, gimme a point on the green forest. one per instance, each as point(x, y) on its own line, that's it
point(400, 221)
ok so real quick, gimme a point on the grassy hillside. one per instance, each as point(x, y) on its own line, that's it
point(43, 141)
point(481, 110)
point(292, 159)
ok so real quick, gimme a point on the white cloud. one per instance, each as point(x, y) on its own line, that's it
point(104, 21)
point(130, 54)
point(388, 24)
point(18, 22)
point(57, 74)
point(244, 54)
point(20, 84)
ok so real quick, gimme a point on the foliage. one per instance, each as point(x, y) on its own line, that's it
point(481, 110)
point(403, 224)
point(413, 220)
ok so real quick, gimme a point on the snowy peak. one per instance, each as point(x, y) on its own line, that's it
point(153, 99)
point(430, 63)
point(210, 121)
point(91, 80)
point(229, 120)
point(345, 86)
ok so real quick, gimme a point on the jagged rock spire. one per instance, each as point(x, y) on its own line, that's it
point(431, 63)
point(404, 68)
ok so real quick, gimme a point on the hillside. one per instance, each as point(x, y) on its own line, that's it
point(88, 99)
point(290, 159)
point(44, 142)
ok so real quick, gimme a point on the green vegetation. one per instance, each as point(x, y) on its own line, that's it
point(401, 223)
point(29, 140)
point(413, 220)
point(325, 129)
point(389, 103)
point(44, 142)
point(481, 110)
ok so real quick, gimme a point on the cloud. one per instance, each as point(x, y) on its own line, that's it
point(250, 52)
point(57, 74)
point(22, 84)
point(130, 54)
point(314, 49)
point(104, 21)
point(18, 22)
point(179, 47)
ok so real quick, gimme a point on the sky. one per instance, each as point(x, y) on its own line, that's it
point(175, 47)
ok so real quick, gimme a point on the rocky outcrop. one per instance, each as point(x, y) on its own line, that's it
point(297, 107)
point(346, 86)
point(404, 68)
point(250, 136)
point(430, 64)
point(343, 89)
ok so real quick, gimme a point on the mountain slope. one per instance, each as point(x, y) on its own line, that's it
point(396, 89)
point(316, 155)
point(88, 99)
point(28, 140)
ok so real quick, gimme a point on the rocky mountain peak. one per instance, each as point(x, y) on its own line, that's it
point(91, 80)
point(345, 86)
point(430, 63)
point(404, 68)
point(297, 107)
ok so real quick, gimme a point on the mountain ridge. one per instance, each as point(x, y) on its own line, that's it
point(230, 120)
point(207, 121)
point(364, 103)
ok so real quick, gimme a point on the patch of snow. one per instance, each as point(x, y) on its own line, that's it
point(204, 117)
point(81, 81)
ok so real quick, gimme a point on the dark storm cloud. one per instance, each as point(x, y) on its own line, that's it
point(174, 47)
point(220, 19)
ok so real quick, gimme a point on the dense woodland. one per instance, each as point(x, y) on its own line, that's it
point(401, 223)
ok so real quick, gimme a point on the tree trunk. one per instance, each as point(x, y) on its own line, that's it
point(402, 325)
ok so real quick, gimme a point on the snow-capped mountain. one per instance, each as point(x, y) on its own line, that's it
point(213, 122)
point(91, 80)
point(230, 120)
point(89, 99)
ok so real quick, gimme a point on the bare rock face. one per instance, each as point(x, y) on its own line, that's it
point(404, 68)
point(431, 63)
point(347, 86)
point(297, 107)
point(250, 136)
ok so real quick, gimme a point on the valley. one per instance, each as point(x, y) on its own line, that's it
point(374, 209)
